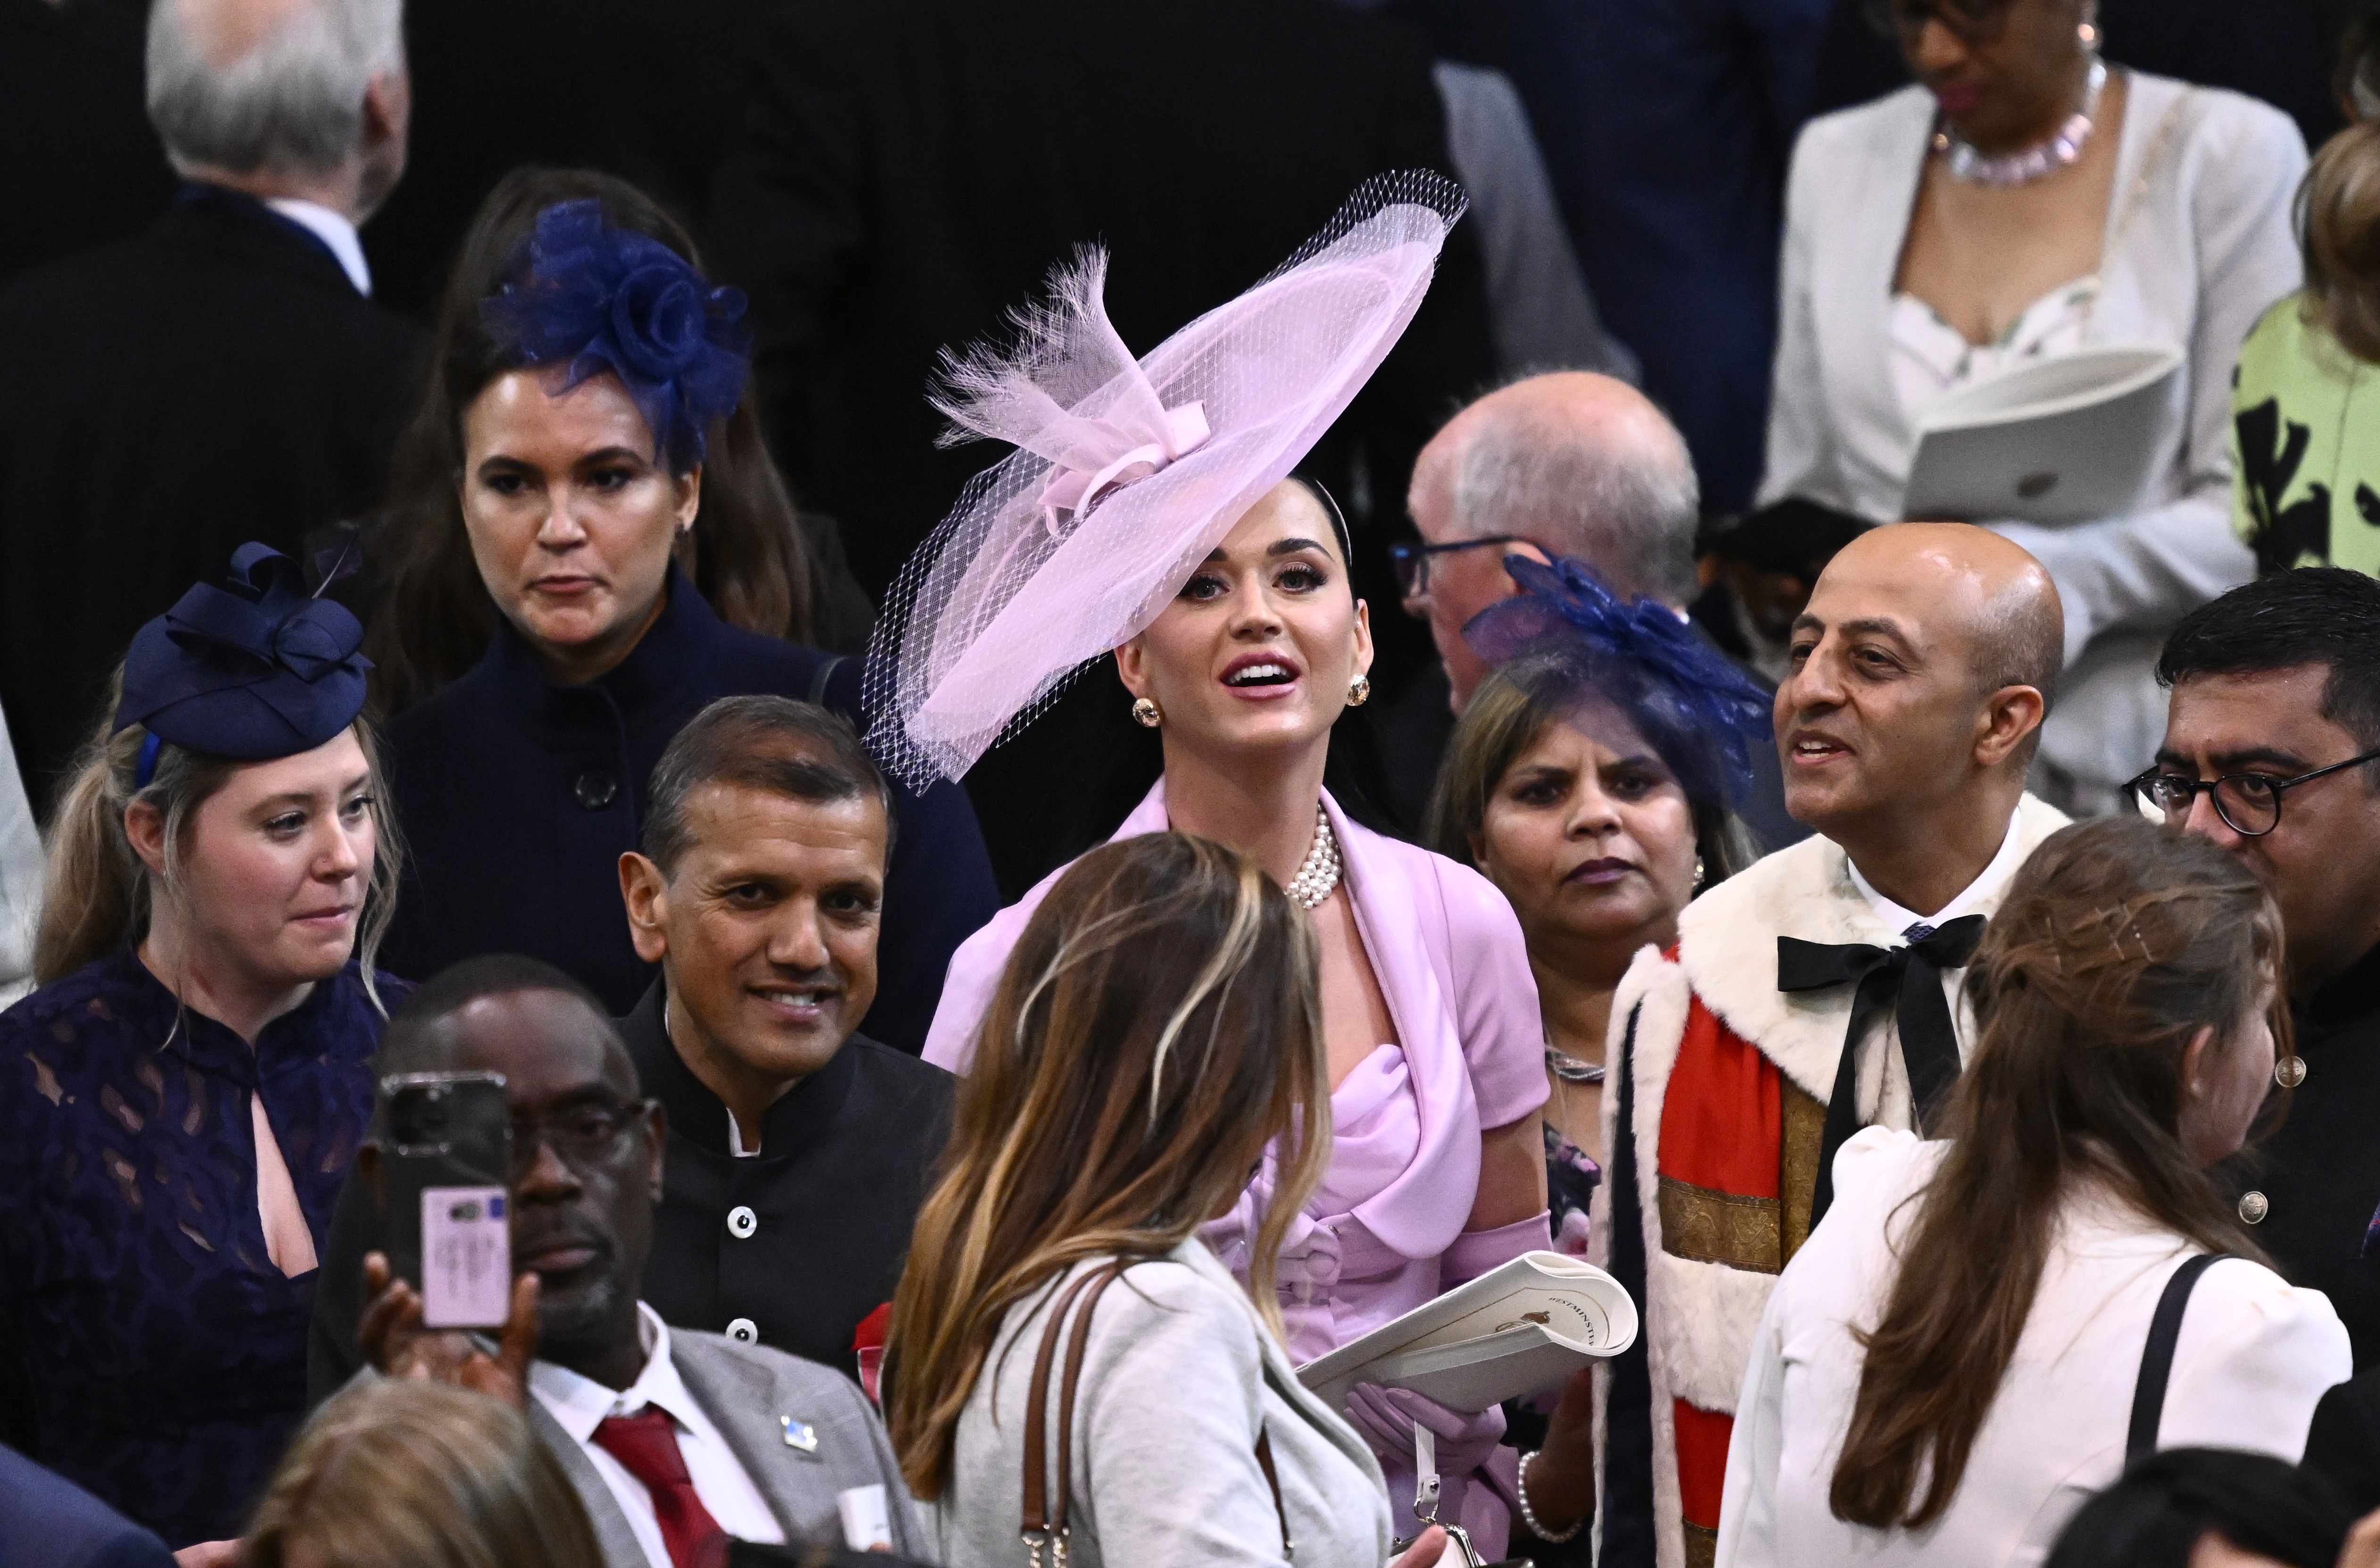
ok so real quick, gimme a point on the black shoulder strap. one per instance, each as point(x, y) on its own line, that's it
point(2157, 1360)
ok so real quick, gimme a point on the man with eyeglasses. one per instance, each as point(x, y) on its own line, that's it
point(673, 1438)
point(1568, 464)
point(2272, 750)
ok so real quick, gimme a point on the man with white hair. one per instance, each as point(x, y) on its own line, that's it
point(1568, 464)
point(224, 377)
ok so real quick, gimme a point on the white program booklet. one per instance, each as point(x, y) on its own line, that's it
point(1522, 1327)
point(2069, 439)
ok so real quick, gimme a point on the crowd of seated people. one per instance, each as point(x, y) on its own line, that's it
point(1929, 966)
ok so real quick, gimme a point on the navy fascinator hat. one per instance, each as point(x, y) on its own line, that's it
point(588, 297)
point(1699, 711)
point(255, 670)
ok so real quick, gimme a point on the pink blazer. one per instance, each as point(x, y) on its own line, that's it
point(1456, 972)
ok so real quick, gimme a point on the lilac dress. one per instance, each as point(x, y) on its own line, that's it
point(1384, 1231)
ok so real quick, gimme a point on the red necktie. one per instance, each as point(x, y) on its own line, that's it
point(646, 1446)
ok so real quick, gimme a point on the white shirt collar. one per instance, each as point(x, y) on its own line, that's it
point(581, 1403)
point(333, 230)
point(1995, 876)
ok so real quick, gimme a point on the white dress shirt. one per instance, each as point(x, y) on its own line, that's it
point(580, 1404)
point(2253, 1357)
point(1984, 888)
point(333, 230)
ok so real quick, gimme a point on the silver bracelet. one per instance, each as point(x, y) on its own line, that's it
point(1528, 1515)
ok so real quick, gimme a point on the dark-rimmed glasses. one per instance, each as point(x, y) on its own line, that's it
point(2249, 804)
point(1969, 21)
point(587, 1136)
point(1411, 559)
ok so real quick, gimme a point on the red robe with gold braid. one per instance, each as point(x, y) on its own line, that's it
point(1730, 1077)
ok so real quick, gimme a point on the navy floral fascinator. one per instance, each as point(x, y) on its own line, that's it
point(251, 671)
point(1699, 711)
point(586, 297)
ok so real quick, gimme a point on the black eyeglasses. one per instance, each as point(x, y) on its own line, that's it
point(1969, 21)
point(586, 1136)
point(1410, 561)
point(2249, 804)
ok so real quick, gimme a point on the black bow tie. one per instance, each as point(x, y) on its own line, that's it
point(1908, 981)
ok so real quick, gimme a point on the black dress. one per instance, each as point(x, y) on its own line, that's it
point(164, 1351)
point(518, 797)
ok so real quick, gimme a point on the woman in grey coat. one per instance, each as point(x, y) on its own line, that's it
point(1155, 1027)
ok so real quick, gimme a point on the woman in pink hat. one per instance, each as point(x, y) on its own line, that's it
point(1148, 513)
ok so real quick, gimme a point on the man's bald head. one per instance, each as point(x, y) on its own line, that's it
point(2013, 621)
point(240, 90)
point(1921, 671)
point(460, 1020)
point(1581, 463)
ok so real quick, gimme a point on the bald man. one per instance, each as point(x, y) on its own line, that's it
point(1779, 1025)
point(1568, 464)
point(223, 377)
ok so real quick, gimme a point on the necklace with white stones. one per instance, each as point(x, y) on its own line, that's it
point(1319, 875)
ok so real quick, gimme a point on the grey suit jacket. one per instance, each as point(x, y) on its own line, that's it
point(750, 1391)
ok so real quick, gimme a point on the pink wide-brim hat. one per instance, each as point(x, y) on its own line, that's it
point(1126, 474)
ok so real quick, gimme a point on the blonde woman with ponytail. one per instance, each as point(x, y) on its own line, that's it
point(1950, 1366)
point(1155, 1027)
point(181, 1098)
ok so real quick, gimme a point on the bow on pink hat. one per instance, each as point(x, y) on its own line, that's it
point(1127, 472)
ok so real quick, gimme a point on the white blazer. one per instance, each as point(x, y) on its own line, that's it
point(2254, 1355)
point(2198, 243)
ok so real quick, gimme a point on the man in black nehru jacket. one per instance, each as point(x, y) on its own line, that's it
point(798, 1150)
point(2272, 750)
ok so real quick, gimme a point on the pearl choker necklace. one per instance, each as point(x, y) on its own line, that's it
point(1319, 875)
point(2041, 158)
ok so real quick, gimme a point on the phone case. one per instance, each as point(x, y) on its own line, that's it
point(445, 1197)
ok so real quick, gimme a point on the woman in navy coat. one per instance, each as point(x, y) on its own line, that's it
point(583, 467)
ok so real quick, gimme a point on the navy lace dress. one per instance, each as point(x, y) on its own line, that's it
point(162, 1352)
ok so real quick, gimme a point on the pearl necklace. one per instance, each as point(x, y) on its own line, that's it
point(1319, 875)
point(2043, 158)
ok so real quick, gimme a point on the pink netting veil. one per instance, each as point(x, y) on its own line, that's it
point(1126, 474)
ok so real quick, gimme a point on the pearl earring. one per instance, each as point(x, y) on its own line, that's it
point(1698, 871)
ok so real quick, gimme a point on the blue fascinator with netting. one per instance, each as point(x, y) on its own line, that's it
point(1699, 711)
point(254, 670)
point(586, 297)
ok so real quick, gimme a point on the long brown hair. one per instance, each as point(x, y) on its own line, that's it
point(2339, 222)
point(96, 892)
point(750, 558)
point(2117, 942)
point(420, 1475)
point(1157, 1027)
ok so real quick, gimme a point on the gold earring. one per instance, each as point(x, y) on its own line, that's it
point(1359, 691)
point(1149, 712)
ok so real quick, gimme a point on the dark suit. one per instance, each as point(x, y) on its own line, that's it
point(2319, 1171)
point(2343, 1444)
point(84, 164)
point(49, 1521)
point(163, 401)
point(913, 169)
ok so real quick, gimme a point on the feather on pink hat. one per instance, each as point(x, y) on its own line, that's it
point(1126, 474)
